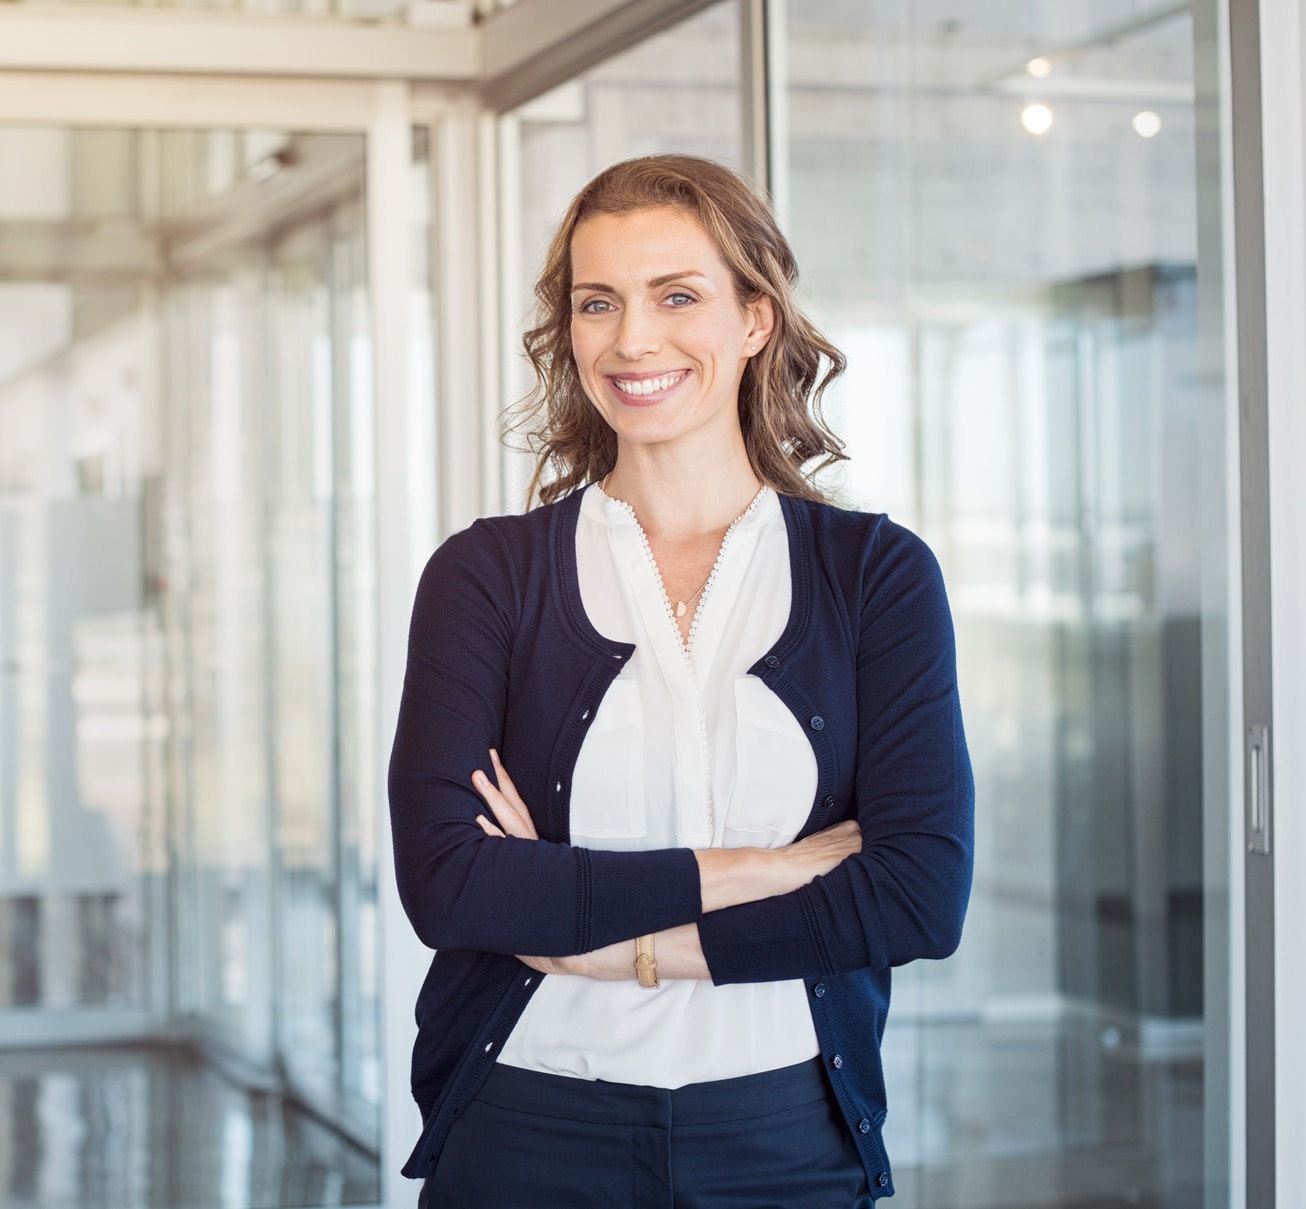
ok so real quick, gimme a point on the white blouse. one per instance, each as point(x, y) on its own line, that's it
point(686, 750)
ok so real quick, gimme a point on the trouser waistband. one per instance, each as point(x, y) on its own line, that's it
point(602, 1103)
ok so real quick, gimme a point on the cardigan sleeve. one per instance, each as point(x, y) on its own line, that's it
point(904, 895)
point(461, 888)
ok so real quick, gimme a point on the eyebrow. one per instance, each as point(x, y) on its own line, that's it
point(653, 282)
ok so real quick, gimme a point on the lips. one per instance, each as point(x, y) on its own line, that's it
point(648, 387)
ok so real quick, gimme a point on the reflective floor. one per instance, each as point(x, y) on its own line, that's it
point(1079, 1113)
point(1064, 1116)
point(132, 1128)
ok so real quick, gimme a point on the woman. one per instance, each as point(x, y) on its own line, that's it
point(739, 788)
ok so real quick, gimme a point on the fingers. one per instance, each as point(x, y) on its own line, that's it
point(845, 836)
point(505, 781)
point(509, 791)
point(510, 812)
point(488, 827)
point(823, 851)
point(545, 965)
point(504, 814)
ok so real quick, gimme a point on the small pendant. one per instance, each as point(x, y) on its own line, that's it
point(680, 608)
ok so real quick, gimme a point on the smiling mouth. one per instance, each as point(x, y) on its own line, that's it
point(638, 387)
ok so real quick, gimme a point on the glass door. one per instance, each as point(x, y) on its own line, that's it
point(995, 212)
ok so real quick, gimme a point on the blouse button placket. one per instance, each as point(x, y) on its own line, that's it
point(687, 645)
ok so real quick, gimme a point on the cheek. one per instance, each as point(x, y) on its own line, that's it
point(586, 336)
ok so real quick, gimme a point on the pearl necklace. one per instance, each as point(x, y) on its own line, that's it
point(682, 606)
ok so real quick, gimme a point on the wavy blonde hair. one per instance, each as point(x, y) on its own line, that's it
point(780, 395)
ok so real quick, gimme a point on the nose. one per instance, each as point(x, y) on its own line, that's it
point(637, 335)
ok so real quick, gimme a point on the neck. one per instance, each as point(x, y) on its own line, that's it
point(679, 496)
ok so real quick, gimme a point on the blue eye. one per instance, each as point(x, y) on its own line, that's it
point(680, 298)
point(595, 306)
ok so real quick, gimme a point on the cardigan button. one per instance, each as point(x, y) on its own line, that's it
point(882, 1180)
point(863, 1126)
point(819, 990)
point(817, 723)
point(829, 802)
point(772, 661)
point(837, 1062)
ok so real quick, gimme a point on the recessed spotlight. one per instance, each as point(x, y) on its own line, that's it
point(1039, 68)
point(1036, 118)
point(1147, 124)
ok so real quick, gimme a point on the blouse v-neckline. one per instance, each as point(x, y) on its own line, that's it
point(619, 511)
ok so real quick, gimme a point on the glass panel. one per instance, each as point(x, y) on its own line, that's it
point(226, 814)
point(356, 629)
point(80, 633)
point(995, 216)
point(300, 538)
point(187, 658)
point(678, 91)
point(292, 932)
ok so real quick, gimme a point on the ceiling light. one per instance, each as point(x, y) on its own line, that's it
point(1039, 68)
point(1147, 124)
point(1036, 118)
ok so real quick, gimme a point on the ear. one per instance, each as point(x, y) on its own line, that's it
point(761, 314)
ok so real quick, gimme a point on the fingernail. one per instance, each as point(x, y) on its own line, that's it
point(477, 777)
point(494, 755)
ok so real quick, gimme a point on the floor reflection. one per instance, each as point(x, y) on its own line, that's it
point(156, 1128)
point(1067, 1114)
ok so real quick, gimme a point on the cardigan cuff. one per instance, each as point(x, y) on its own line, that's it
point(766, 941)
point(631, 893)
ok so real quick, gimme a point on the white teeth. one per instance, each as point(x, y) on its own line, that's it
point(647, 386)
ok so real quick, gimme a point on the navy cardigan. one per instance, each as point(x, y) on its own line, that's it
point(501, 654)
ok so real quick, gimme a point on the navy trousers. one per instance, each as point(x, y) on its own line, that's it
point(536, 1141)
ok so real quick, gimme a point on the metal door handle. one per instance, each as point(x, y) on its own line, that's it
point(1259, 800)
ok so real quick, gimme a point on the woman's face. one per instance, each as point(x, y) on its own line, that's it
point(659, 337)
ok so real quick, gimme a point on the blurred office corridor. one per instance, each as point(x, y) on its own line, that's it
point(187, 814)
point(251, 371)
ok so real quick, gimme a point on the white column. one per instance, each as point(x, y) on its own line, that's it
point(466, 423)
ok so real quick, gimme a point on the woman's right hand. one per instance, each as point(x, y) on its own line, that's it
point(731, 876)
point(511, 814)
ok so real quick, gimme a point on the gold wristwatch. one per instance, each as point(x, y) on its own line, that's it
point(646, 965)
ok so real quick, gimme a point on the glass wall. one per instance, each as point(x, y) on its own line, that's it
point(270, 440)
point(994, 210)
point(995, 213)
point(188, 760)
point(271, 367)
point(80, 628)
